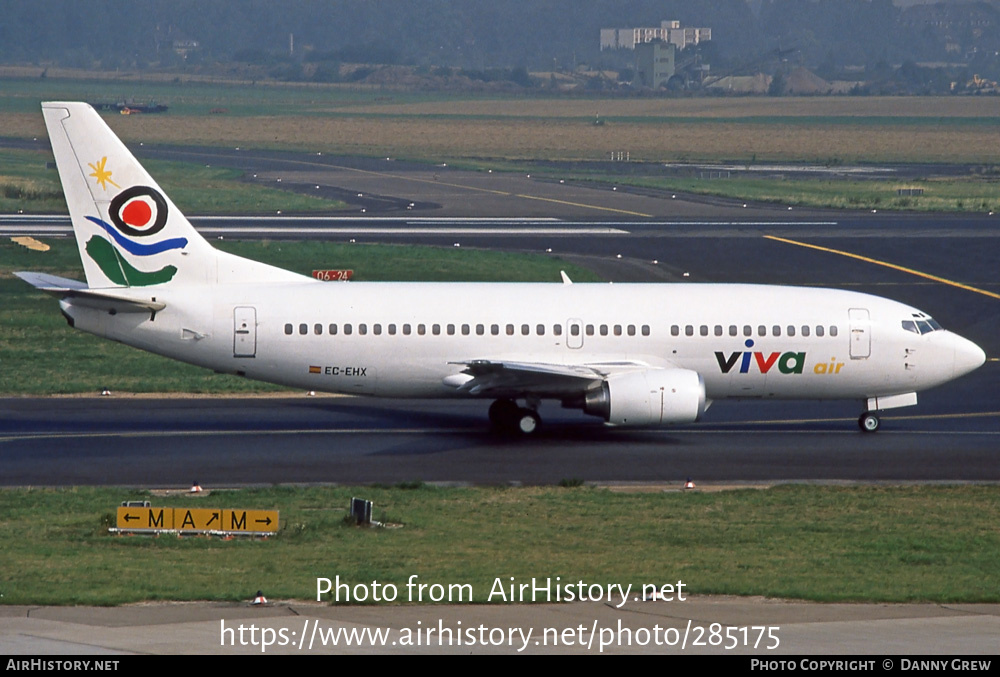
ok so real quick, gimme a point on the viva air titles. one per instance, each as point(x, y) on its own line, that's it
point(786, 363)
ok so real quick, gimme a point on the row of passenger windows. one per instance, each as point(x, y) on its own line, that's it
point(468, 329)
point(748, 330)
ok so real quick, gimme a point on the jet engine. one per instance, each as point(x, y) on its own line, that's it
point(650, 398)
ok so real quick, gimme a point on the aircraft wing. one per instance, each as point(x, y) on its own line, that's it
point(487, 378)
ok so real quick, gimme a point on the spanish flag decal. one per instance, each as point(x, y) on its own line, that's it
point(315, 370)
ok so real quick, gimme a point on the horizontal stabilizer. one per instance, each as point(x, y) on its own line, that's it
point(78, 294)
point(51, 284)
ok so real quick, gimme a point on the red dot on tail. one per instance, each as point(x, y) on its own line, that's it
point(136, 213)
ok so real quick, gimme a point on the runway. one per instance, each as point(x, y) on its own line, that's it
point(944, 265)
point(225, 442)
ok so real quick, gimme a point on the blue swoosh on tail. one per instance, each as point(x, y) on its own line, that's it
point(137, 248)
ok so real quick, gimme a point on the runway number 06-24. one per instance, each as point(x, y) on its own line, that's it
point(333, 275)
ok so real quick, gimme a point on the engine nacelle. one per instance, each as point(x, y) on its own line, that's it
point(653, 397)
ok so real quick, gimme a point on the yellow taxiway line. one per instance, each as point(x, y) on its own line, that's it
point(886, 264)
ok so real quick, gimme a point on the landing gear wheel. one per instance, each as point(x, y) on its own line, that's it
point(869, 422)
point(510, 419)
point(528, 421)
point(503, 413)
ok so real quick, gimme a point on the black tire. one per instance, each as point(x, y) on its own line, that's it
point(503, 414)
point(869, 422)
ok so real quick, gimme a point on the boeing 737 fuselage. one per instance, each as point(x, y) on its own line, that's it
point(633, 354)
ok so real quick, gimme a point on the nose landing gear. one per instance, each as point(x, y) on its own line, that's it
point(869, 422)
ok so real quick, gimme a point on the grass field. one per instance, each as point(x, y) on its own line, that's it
point(483, 130)
point(876, 544)
point(41, 355)
point(28, 185)
point(654, 140)
point(379, 122)
point(973, 193)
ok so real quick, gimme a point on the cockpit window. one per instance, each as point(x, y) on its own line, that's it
point(921, 326)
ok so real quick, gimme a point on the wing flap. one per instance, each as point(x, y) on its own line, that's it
point(488, 378)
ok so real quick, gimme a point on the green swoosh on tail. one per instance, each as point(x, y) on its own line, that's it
point(119, 271)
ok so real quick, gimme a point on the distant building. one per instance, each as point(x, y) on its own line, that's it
point(669, 31)
point(184, 47)
point(654, 63)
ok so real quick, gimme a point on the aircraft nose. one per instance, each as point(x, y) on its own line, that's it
point(968, 356)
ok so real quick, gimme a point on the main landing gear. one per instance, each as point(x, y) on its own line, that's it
point(869, 422)
point(509, 418)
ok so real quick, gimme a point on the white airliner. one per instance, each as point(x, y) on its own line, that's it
point(632, 354)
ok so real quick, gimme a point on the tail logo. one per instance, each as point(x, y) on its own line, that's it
point(136, 213)
point(102, 175)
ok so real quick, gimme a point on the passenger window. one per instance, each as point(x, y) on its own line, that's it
point(288, 329)
point(510, 330)
point(407, 329)
point(805, 330)
point(466, 330)
point(675, 330)
point(689, 330)
point(451, 330)
point(704, 330)
point(377, 330)
point(318, 329)
point(747, 330)
point(392, 330)
point(557, 330)
point(733, 330)
point(590, 330)
point(574, 329)
point(604, 330)
point(436, 329)
point(421, 329)
point(525, 330)
point(495, 329)
point(348, 329)
point(718, 330)
point(761, 330)
point(833, 330)
point(776, 330)
point(480, 329)
point(645, 330)
point(363, 329)
point(631, 330)
point(333, 329)
point(791, 330)
point(303, 329)
point(819, 330)
point(540, 330)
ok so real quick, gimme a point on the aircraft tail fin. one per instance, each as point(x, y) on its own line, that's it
point(130, 234)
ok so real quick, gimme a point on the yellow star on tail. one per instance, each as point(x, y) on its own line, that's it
point(102, 175)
